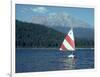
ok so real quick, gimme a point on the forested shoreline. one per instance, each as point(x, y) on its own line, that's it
point(30, 35)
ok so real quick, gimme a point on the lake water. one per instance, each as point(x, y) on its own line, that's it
point(37, 60)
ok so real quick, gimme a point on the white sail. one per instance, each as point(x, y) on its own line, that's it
point(68, 43)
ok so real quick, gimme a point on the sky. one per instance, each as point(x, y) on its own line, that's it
point(25, 12)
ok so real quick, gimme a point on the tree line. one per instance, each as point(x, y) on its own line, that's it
point(30, 35)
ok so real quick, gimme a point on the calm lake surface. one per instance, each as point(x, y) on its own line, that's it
point(37, 60)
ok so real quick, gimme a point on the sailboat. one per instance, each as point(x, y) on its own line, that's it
point(68, 44)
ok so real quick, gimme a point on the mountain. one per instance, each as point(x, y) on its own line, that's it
point(36, 35)
point(59, 20)
point(31, 35)
point(63, 22)
point(85, 33)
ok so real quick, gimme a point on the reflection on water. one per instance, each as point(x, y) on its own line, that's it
point(68, 63)
point(35, 60)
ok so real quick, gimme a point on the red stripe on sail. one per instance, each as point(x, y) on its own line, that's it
point(70, 41)
point(63, 47)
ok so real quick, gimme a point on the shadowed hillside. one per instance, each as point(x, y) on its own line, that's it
point(30, 35)
point(35, 35)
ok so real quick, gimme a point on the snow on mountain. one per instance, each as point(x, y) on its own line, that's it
point(59, 20)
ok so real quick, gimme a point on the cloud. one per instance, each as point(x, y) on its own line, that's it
point(24, 10)
point(39, 10)
point(64, 14)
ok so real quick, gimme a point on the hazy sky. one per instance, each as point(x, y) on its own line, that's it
point(25, 12)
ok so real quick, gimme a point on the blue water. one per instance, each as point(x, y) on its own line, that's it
point(36, 60)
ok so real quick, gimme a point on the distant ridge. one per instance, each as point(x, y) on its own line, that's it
point(82, 33)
